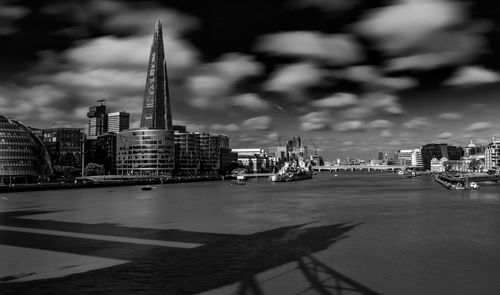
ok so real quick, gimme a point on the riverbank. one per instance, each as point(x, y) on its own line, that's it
point(100, 181)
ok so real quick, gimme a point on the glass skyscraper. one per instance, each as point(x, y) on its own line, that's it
point(156, 112)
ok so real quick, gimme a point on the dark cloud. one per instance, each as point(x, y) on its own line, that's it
point(321, 65)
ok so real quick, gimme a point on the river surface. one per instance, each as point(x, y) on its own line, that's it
point(410, 236)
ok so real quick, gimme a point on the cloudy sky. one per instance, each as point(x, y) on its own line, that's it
point(355, 76)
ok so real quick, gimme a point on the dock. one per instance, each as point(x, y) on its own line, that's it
point(464, 181)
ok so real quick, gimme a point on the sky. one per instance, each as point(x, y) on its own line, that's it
point(354, 77)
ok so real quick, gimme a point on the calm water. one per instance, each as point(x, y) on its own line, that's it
point(414, 237)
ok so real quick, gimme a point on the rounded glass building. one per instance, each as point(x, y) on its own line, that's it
point(22, 153)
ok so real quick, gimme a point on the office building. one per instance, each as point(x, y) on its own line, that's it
point(209, 152)
point(253, 159)
point(438, 165)
point(106, 151)
point(492, 155)
point(22, 153)
point(145, 151)
point(411, 157)
point(118, 121)
point(187, 152)
point(156, 112)
point(228, 160)
point(97, 119)
point(64, 146)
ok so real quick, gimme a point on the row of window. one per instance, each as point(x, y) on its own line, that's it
point(139, 147)
point(146, 157)
point(22, 156)
point(17, 141)
point(166, 167)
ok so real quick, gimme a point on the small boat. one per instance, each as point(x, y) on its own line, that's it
point(411, 175)
point(146, 188)
point(240, 180)
point(473, 185)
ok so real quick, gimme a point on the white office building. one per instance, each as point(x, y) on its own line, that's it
point(118, 121)
point(492, 155)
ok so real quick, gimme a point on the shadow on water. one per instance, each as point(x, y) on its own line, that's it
point(220, 262)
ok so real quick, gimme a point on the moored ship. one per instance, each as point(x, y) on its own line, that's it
point(292, 172)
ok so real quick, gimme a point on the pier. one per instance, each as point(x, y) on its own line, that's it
point(451, 181)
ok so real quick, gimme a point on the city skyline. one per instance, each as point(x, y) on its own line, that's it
point(356, 78)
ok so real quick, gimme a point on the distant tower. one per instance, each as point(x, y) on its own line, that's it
point(97, 118)
point(118, 121)
point(156, 112)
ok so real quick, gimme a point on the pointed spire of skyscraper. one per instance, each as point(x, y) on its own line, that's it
point(156, 111)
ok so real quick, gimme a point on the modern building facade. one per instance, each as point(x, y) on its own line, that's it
point(22, 153)
point(156, 112)
point(411, 157)
point(106, 152)
point(253, 159)
point(145, 151)
point(209, 152)
point(97, 119)
point(64, 146)
point(492, 155)
point(118, 121)
point(187, 153)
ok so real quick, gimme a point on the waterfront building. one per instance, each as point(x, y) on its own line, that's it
point(90, 150)
point(22, 153)
point(248, 151)
point(492, 155)
point(209, 152)
point(106, 151)
point(65, 146)
point(145, 151)
point(223, 141)
point(438, 166)
point(411, 157)
point(438, 151)
point(228, 160)
point(156, 113)
point(252, 163)
point(118, 121)
point(187, 152)
point(253, 159)
point(97, 119)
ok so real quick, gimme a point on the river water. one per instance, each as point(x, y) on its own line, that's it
point(411, 236)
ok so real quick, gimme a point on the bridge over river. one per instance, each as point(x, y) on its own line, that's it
point(380, 168)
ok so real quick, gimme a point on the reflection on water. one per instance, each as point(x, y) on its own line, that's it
point(481, 195)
